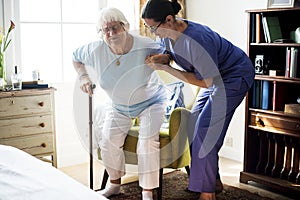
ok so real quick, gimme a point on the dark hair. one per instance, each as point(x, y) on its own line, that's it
point(158, 10)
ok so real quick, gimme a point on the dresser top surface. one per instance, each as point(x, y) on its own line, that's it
point(26, 92)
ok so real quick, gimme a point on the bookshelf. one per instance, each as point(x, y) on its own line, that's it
point(272, 128)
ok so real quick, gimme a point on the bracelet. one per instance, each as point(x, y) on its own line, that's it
point(82, 76)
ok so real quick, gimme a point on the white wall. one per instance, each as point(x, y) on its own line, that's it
point(1, 15)
point(229, 19)
point(69, 148)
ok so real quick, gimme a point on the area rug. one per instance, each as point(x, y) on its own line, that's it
point(174, 188)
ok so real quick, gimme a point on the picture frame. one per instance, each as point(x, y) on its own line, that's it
point(281, 3)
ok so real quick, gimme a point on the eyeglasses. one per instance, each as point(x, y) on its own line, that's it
point(115, 28)
point(153, 28)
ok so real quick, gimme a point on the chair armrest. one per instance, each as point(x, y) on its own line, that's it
point(178, 121)
point(179, 137)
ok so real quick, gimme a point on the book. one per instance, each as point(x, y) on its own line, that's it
point(266, 30)
point(258, 94)
point(275, 107)
point(257, 28)
point(287, 62)
point(293, 62)
point(279, 93)
point(253, 95)
point(34, 84)
point(272, 28)
point(265, 95)
point(253, 28)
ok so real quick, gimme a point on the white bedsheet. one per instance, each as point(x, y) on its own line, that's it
point(23, 176)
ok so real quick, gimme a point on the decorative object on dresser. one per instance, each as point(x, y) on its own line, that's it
point(272, 125)
point(27, 122)
point(16, 79)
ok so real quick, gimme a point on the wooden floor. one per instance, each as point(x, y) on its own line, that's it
point(229, 171)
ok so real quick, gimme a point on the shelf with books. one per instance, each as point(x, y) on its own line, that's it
point(273, 26)
point(267, 94)
point(272, 129)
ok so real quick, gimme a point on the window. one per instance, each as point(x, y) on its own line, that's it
point(48, 31)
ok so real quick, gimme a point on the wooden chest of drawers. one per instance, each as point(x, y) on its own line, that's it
point(27, 121)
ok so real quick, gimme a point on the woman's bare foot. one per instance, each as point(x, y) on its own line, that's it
point(207, 196)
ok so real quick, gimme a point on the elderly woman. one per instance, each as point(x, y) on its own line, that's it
point(135, 90)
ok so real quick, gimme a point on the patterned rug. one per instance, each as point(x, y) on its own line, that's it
point(174, 188)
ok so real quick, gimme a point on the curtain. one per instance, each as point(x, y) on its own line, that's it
point(146, 32)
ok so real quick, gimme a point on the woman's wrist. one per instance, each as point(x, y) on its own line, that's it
point(83, 76)
point(169, 57)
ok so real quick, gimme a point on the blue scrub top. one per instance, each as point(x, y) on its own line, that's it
point(204, 52)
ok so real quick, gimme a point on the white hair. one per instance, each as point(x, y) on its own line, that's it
point(110, 14)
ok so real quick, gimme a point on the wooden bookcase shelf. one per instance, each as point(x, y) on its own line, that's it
point(278, 79)
point(279, 113)
point(276, 44)
point(272, 133)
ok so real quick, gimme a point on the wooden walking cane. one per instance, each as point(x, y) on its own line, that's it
point(93, 86)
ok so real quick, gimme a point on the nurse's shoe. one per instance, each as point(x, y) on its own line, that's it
point(147, 195)
point(111, 189)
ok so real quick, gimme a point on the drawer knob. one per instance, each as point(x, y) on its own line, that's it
point(41, 103)
point(42, 124)
point(43, 145)
point(260, 122)
point(298, 126)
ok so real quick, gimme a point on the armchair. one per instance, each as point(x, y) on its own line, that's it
point(174, 145)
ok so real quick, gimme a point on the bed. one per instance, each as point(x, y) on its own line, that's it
point(23, 176)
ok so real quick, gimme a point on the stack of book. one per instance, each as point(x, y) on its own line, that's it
point(262, 95)
point(266, 29)
point(268, 95)
point(34, 84)
point(272, 30)
point(291, 62)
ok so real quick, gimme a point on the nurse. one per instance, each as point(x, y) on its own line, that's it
point(213, 63)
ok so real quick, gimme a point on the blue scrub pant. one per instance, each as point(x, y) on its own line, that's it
point(210, 118)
